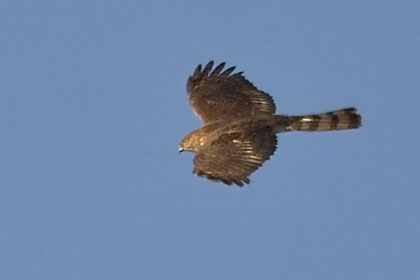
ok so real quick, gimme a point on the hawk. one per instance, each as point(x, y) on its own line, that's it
point(240, 125)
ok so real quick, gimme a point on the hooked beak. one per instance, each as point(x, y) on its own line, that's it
point(180, 150)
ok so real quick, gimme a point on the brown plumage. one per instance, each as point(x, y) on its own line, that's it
point(240, 125)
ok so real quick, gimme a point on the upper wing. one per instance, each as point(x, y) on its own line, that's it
point(216, 95)
point(234, 156)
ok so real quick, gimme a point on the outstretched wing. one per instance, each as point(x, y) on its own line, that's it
point(234, 156)
point(216, 95)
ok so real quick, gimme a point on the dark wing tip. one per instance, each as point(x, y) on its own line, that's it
point(238, 182)
point(208, 67)
point(238, 74)
point(207, 70)
point(227, 181)
point(197, 69)
point(351, 110)
point(218, 69)
point(228, 71)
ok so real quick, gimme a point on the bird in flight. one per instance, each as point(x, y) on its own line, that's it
point(240, 125)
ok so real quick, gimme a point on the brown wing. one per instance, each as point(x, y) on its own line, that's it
point(234, 156)
point(216, 95)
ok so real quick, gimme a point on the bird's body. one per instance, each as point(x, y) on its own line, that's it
point(240, 125)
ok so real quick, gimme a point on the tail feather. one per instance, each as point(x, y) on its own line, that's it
point(335, 120)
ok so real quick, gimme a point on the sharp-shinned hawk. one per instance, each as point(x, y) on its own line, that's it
point(240, 124)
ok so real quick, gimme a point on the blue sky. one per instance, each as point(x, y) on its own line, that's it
point(93, 106)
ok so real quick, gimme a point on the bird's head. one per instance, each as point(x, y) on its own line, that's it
point(190, 143)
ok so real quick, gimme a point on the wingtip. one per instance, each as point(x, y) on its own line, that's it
point(197, 69)
point(208, 67)
point(218, 69)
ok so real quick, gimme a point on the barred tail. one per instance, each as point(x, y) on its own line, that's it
point(336, 120)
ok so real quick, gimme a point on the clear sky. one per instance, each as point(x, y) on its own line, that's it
point(93, 106)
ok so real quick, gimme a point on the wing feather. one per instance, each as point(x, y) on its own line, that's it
point(218, 69)
point(207, 68)
point(216, 95)
point(228, 71)
point(232, 157)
